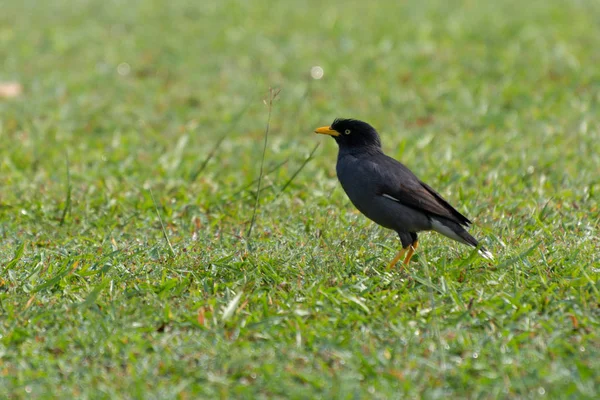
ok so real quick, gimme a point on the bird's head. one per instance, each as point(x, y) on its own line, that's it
point(352, 133)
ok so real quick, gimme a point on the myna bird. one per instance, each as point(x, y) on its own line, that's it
point(388, 193)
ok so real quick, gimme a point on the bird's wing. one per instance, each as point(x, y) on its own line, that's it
point(400, 184)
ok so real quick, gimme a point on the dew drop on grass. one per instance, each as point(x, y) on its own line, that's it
point(123, 69)
point(541, 391)
point(316, 72)
point(475, 355)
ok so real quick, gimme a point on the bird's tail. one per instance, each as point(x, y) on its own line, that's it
point(455, 231)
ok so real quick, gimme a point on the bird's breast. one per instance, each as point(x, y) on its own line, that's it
point(359, 183)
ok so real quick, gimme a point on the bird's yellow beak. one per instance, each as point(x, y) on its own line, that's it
point(326, 130)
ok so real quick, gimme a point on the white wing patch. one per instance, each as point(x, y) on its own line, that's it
point(391, 197)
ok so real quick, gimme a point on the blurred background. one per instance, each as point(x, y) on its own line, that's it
point(143, 89)
point(144, 92)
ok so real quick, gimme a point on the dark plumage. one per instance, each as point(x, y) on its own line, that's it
point(388, 193)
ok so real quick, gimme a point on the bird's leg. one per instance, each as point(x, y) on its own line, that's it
point(398, 257)
point(411, 251)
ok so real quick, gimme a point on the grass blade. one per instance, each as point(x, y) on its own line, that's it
point(235, 122)
point(273, 93)
point(231, 307)
point(67, 207)
point(162, 226)
point(306, 161)
point(18, 254)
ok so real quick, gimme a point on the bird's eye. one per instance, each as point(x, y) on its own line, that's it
point(347, 131)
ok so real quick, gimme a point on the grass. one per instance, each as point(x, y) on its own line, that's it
point(129, 170)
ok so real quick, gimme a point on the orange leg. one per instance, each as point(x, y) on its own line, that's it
point(397, 258)
point(411, 251)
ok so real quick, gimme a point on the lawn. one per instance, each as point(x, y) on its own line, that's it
point(139, 258)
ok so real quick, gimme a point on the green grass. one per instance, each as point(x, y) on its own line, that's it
point(142, 121)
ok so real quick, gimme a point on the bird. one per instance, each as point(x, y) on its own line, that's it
point(390, 194)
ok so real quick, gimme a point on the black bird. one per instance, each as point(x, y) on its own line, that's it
point(388, 193)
